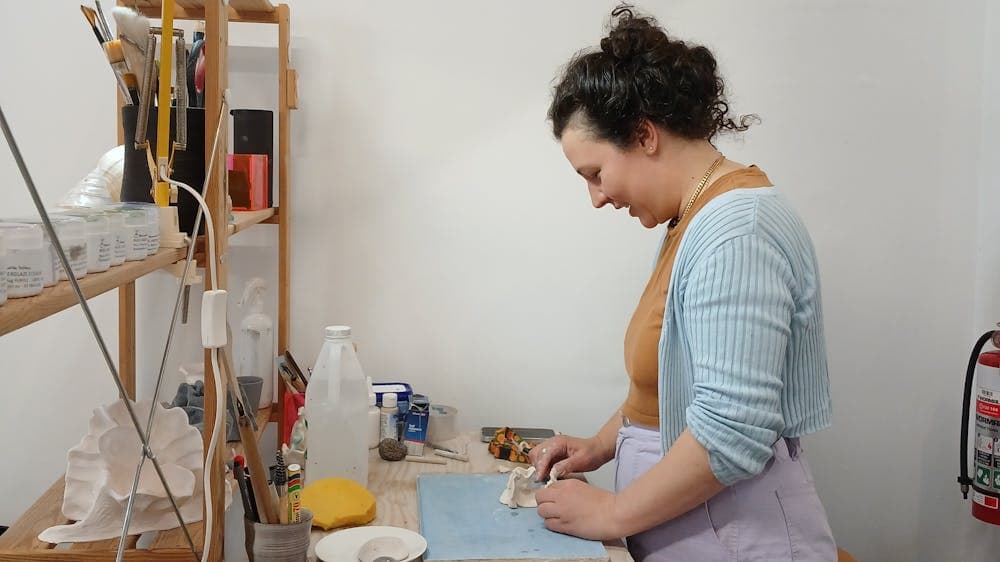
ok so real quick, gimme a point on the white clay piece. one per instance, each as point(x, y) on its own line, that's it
point(553, 476)
point(101, 468)
point(519, 491)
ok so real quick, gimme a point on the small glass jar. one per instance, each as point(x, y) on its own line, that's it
point(26, 259)
point(72, 233)
point(99, 237)
point(152, 229)
point(119, 235)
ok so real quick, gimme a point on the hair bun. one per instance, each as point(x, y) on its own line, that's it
point(631, 37)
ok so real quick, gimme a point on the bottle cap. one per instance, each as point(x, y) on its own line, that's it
point(389, 400)
point(337, 332)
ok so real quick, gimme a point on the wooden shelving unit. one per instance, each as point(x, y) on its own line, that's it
point(245, 219)
point(18, 313)
point(20, 542)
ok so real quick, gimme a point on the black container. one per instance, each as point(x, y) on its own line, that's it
point(253, 133)
point(188, 165)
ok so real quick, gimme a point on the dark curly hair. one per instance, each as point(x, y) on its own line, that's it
point(641, 74)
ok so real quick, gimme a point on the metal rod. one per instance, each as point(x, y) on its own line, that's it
point(57, 244)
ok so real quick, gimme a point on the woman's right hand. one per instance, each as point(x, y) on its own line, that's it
point(566, 454)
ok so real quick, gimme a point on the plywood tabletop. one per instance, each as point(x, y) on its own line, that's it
point(394, 485)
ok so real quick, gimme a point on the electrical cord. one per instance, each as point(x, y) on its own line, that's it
point(220, 399)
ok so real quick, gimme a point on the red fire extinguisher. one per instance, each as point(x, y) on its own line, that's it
point(984, 370)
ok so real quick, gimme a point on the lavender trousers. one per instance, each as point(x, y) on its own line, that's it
point(775, 516)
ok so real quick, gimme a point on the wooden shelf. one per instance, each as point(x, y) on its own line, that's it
point(245, 219)
point(17, 313)
point(21, 542)
point(239, 11)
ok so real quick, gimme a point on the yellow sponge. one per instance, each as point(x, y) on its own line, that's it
point(338, 502)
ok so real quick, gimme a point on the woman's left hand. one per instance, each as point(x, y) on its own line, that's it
point(573, 507)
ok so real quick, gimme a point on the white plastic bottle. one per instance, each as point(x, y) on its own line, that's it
point(389, 416)
point(373, 416)
point(256, 345)
point(337, 412)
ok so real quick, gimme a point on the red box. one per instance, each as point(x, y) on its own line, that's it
point(248, 181)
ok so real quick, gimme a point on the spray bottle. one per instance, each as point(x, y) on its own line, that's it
point(256, 345)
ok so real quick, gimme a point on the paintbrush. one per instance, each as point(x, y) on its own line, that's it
point(91, 16)
point(280, 485)
point(132, 83)
point(116, 56)
point(103, 21)
point(134, 28)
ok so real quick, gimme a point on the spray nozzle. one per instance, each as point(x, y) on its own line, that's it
point(253, 294)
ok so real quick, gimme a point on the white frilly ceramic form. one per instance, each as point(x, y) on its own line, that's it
point(519, 491)
point(101, 467)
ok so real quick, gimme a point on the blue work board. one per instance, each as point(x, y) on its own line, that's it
point(462, 519)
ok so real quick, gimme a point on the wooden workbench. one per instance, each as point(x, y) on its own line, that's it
point(395, 487)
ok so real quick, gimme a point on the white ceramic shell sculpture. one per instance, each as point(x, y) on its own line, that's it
point(102, 465)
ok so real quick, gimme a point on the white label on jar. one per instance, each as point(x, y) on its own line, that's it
point(152, 240)
point(104, 250)
point(136, 243)
point(120, 249)
point(140, 241)
point(24, 273)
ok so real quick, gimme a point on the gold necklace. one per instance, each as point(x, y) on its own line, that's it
point(701, 185)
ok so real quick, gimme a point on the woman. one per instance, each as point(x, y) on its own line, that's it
point(725, 350)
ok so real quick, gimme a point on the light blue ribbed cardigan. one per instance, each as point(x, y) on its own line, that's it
point(742, 355)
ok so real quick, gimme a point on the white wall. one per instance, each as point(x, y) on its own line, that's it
point(434, 213)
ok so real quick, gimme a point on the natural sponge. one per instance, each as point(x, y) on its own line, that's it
point(391, 450)
point(338, 502)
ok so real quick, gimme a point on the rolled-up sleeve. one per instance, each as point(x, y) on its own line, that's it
point(738, 308)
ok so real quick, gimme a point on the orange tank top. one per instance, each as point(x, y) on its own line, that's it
point(642, 339)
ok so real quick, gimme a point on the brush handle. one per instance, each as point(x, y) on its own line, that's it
point(425, 460)
point(258, 478)
point(450, 455)
point(102, 20)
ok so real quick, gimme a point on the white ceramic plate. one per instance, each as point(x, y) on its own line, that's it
point(343, 546)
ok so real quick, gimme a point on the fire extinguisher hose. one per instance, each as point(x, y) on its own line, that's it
point(970, 374)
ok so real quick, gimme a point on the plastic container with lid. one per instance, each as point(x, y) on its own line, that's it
point(26, 258)
point(99, 238)
point(119, 235)
point(152, 224)
point(72, 233)
point(136, 230)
